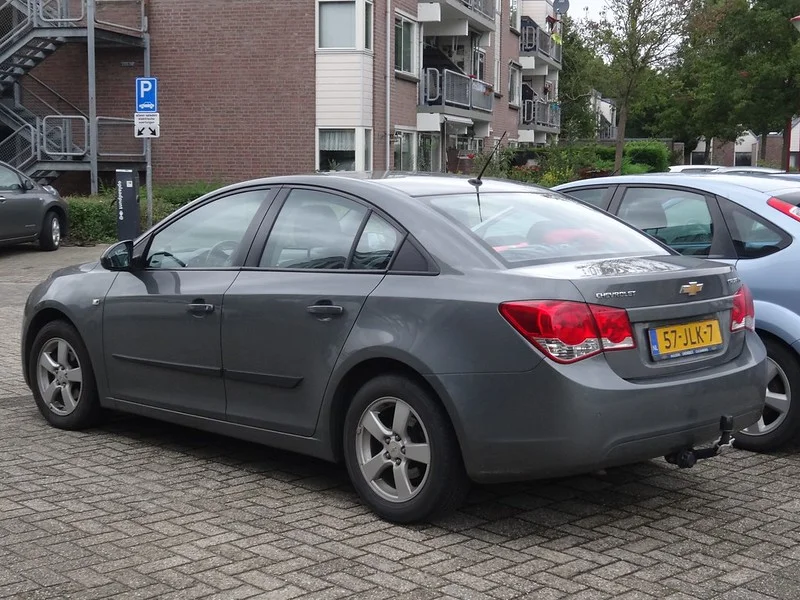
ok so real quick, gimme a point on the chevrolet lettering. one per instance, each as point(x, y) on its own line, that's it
point(623, 294)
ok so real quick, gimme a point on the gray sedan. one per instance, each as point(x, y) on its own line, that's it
point(428, 331)
point(30, 212)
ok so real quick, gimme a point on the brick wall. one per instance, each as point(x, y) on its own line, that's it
point(505, 117)
point(236, 88)
point(723, 154)
point(380, 38)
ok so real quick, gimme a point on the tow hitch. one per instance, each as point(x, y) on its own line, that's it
point(686, 459)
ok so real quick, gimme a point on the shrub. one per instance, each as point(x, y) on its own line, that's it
point(93, 219)
point(654, 154)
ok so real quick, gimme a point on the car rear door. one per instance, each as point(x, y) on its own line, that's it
point(318, 256)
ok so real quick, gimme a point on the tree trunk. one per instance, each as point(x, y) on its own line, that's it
point(623, 122)
point(762, 151)
point(787, 145)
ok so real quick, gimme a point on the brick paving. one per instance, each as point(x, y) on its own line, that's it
point(141, 509)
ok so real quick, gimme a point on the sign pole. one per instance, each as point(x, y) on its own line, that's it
point(148, 157)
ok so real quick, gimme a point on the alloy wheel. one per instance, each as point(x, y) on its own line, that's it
point(778, 401)
point(393, 449)
point(59, 376)
point(55, 228)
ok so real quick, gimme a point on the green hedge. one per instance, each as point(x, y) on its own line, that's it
point(654, 154)
point(93, 219)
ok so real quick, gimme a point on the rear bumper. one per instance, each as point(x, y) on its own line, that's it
point(558, 420)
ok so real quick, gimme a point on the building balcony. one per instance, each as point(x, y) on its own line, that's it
point(541, 115)
point(450, 92)
point(455, 16)
point(536, 42)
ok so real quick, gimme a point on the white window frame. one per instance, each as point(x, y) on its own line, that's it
point(414, 144)
point(361, 148)
point(415, 39)
point(515, 96)
point(515, 21)
point(362, 44)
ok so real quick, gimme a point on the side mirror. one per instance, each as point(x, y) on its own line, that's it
point(27, 185)
point(118, 257)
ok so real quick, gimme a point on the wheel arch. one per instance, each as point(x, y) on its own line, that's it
point(359, 373)
point(37, 323)
point(62, 217)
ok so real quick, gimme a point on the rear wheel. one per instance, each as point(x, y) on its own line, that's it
point(401, 452)
point(780, 421)
point(62, 378)
point(50, 237)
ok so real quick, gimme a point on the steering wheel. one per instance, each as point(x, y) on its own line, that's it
point(220, 250)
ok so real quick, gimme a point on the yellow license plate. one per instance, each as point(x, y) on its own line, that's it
point(686, 339)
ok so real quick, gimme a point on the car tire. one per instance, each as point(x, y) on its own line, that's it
point(50, 237)
point(62, 378)
point(425, 490)
point(780, 422)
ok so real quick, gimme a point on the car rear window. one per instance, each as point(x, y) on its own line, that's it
point(525, 228)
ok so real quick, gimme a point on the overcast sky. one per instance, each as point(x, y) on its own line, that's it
point(576, 8)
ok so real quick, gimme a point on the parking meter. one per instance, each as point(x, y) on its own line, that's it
point(127, 197)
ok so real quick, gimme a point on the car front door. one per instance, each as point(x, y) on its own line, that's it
point(19, 209)
point(688, 221)
point(288, 314)
point(161, 323)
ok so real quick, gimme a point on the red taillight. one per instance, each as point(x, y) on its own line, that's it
point(786, 208)
point(570, 331)
point(743, 314)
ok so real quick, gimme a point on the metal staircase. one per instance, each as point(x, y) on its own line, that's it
point(41, 133)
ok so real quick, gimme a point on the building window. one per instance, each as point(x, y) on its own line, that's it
point(515, 18)
point(479, 63)
point(337, 149)
point(514, 84)
point(337, 24)
point(405, 43)
point(429, 153)
point(743, 159)
point(404, 147)
point(368, 149)
point(368, 25)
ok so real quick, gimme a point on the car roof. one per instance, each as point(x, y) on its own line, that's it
point(708, 182)
point(410, 184)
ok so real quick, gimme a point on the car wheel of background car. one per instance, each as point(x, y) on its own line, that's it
point(50, 237)
point(401, 452)
point(780, 421)
point(62, 377)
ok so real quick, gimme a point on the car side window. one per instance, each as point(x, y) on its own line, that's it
point(594, 196)
point(678, 218)
point(314, 230)
point(752, 236)
point(208, 236)
point(9, 180)
point(376, 246)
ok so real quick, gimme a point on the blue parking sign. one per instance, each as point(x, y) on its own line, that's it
point(146, 94)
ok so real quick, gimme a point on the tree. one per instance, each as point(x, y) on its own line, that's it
point(635, 37)
point(581, 73)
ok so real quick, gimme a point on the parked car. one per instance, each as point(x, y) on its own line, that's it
point(30, 212)
point(693, 168)
point(424, 333)
point(748, 170)
point(750, 222)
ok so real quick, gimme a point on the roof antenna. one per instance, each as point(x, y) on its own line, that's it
point(476, 181)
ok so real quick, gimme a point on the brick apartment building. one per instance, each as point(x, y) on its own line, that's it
point(259, 87)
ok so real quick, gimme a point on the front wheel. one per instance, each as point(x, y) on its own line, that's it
point(62, 378)
point(780, 421)
point(50, 237)
point(401, 452)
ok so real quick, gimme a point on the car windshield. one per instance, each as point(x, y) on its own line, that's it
point(526, 228)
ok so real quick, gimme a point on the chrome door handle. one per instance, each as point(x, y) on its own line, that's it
point(198, 308)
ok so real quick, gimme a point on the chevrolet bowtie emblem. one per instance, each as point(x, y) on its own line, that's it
point(692, 288)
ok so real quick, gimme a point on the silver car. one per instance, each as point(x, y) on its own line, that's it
point(428, 331)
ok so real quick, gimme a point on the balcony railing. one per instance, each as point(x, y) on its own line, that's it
point(534, 38)
point(451, 88)
point(482, 7)
point(541, 113)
